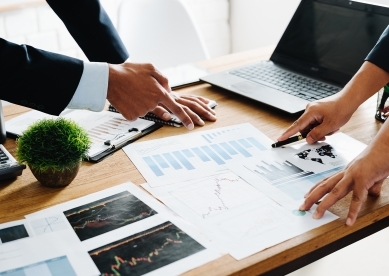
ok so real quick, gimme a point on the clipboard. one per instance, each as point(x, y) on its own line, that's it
point(101, 126)
point(100, 157)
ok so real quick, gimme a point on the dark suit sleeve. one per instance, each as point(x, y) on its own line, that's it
point(92, 29)
point(379, 55)
point(38, 79)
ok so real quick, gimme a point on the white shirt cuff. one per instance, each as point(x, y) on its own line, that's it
point(91, 92)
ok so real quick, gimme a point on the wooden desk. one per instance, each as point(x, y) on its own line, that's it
point(25, 195)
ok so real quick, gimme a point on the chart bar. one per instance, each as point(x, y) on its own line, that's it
point(240, 149)
point(188, 153)
point(228, 148)
point(201, 154)
point(256, 143)
point(161, 162)
point(213, 155)
point(152, 166)
point(172, 161)
point(183, 160)
point(221, 152)
point(245, 143)
point(206, 138)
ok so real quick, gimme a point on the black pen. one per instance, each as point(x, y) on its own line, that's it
point(289, 141)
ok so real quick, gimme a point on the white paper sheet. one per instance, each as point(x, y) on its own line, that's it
point(184, 157)
point(125, 229)
point(46, 255)
point(253, 204)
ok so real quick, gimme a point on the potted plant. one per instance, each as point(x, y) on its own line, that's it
point(53, 149)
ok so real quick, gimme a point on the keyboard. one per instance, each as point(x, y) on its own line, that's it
point(9, 167)
point(266, 73)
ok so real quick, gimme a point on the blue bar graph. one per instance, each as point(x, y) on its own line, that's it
point(213, 155)
point(201, 154)
point(245, 143)
point(256, 143)
point(221, 152)
point(188, 153)
point(172, 161)
point(240, 149)
point(228, 148)
point(183, 160)
point(153, 166)
point(206, 138)
point(161, 162)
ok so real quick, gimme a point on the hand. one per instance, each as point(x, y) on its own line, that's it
point(195, 106)
point(135, 89)
point(363, 176)
point(321, 118)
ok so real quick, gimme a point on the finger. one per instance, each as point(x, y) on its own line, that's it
point(303, 125)
point(340, 190)
point(375, 190)
point(176, 109)
point(198, 107)
point(203, 102)
point(195, 118)
point(319, 190)
point(358, 197)
point(162, 113)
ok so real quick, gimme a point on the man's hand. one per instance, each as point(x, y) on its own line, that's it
point(195, 106)
point(135, 89)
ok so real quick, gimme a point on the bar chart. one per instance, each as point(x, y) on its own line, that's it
point(182, 157)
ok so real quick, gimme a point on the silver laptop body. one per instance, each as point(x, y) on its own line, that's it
point(323, 46)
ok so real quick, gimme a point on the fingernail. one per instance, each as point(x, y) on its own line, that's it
point(166, 116)
point(302, 207)
point(348, 222)
point(201, 122)
point(306, 195)
point(315, 215)
point(190, 126)
point(211, 115)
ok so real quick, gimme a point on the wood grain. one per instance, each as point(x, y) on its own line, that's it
point(24, 195)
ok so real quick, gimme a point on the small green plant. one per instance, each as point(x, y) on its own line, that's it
point(52, 144)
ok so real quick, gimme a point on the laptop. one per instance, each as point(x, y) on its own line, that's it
point(323, 46)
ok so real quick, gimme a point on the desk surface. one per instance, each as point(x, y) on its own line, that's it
point(25, 195)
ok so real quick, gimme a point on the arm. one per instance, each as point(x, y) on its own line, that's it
point(34, 78)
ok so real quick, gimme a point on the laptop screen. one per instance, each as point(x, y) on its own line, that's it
point(329, 39)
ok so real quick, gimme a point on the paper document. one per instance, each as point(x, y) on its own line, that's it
point(101, 126)
point(125, 231)
point(184, 157)
point(253, 203)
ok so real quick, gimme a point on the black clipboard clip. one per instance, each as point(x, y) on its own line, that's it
point(123, 138)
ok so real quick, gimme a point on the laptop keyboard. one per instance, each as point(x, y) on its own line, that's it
point(267, 74)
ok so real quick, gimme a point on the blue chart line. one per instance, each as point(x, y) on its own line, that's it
point(152, 166)
point(213, 155)
point(216, 153)
point(201, 155)
point(221, 152)
point(161, 162)
point(188, 153)
point(183, 160)
point(245, 143)
point(228, 148)
point(256, 143)
point(172, 161)
point(240, 149)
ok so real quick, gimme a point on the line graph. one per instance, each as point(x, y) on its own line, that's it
point(107, 214)
point(47, 225)
point(145, 251)
point(216, 194)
